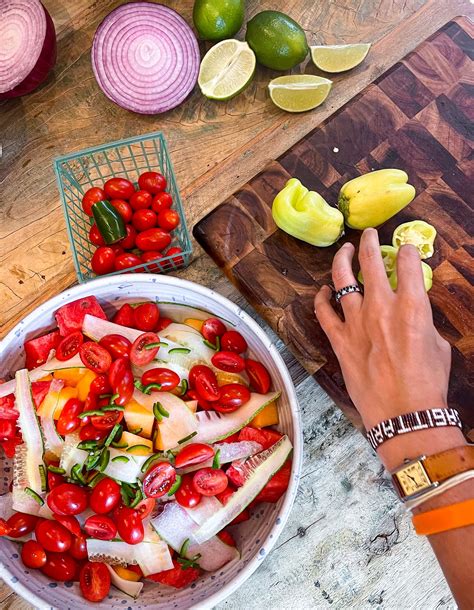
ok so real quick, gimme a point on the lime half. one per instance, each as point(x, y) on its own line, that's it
point(299, 92)
point(226, 69)
point(339, 57)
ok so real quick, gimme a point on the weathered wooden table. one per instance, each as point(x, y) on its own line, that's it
point(347, 542)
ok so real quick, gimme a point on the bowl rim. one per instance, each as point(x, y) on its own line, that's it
point(207, 293)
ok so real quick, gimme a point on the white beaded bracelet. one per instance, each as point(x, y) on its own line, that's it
point(449, 484)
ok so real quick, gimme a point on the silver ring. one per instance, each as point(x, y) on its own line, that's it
point(347, 290)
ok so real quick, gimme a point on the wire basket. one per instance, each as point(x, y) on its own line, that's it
point(77, 172)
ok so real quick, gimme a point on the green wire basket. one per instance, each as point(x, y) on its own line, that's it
point(77, 172)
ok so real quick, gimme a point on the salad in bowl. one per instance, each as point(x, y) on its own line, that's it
point(145, 437)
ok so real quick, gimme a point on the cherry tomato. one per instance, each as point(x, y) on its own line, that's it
point(105, 496)
point(70, 523)
point(107, 421)
point(232, 341)
point(195, 453)
point(161, 201)
point(95, 236)
point(78, 548)
point(33, 554)
point(94, 581)
point(125, 261)
point(153, 182)
point(139, 355)
point(123, 208)
point(233, 396)
point(259, 377)
point(153, 239)
point(54, 479)
point(69, 346)
point(21, 524)
point(68, 420)
point(90, 197)
point(100, 385)
point(89, 433)
point(95, 357)
point(228, 361)
point(67, 499)
point(103, 260)
point(204, 381)
point(187, 495)
point(100, 527)
point(158, 480)
point(144, 219)
point(204, 404)
point(129, 524)
point(146, 316)
point(166, 378)
point(121, 380)
point(163, 323)
point(124, 316)
point(116, 345)
point(177, 260)
point(168, 219)
point(119, 188)
point(141, 200)
point(128, 242)
point(59, 566)
point(151, 256)
point(210, 481)
point(211, 329)
point(52, 536)
point(145, 507)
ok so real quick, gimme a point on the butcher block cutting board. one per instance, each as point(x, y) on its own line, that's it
point(416, 117)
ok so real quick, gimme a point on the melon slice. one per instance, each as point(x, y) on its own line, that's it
point(138, 417)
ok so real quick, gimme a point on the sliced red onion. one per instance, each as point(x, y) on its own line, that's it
point(145, 57)
point(27, 46)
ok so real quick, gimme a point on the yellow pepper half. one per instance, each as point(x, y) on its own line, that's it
point(371, 199)
point(305, 215)
point(418, 233)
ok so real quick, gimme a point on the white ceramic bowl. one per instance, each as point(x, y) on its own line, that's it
point(255, 538)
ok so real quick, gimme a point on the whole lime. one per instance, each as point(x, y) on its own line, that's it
point(277, 40)
point(218, 19)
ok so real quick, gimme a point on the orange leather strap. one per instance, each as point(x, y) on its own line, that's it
point(444, 518)
point(446, 464)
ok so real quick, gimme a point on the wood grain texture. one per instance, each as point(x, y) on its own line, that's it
point(415, 117)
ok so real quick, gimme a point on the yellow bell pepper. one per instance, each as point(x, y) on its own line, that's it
point(418, 233)
point(194, 323)
point(268, 416)
point(59, 400)
point(84, 384)
point(305, 215)
point(71, 377)
point(371, 199)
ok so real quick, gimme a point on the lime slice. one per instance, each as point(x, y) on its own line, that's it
point(226, 69)
point(339, 57)
point(299, 92)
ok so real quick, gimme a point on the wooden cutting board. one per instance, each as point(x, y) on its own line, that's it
point(417, 117)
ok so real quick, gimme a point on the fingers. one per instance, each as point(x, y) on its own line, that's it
point(342, 275)
point(410, 273)
point(327, 317)
point(371, 264)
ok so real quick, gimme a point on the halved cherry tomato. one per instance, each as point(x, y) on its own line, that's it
point(124, 316)
point(89, 433)
point(94, 581)
point(211, 329)
point(103, 260)
point(116, 345)
point(107, 421)
point(125, 261)
point(226, 537)
point(78, 548)
point(145, 507)
point(163, 323)
point(178, 577)
point(228, 361)
point(53, 536)
point(146, 316)
point(139, 354)
point(67, 499)
point(168, 219)
point(33, 554)
point(153, 239)
point(59, 566)
point(144, 219)
point(70, 523)
point(204, 381)
point(195, 453)
point(69, 346)
point(210, 481)
point(129, 525)
point(119, 188)
point(141, 200)
point(158, 480)
point(100, 385)
point(161, 201)
point(259, 377)
point(265, 436)
point(121, 380)
point(21, 524)
point(187, 495)
point(105, 496)
point(153, 182)
point(93, 195)
point(95, 236)
point(232, 341)
point(128, 242)
point(68, 420)
point(100, 527)
point(123, 208)
point(233, 396)
point(151, 256)
point(167, 379)
point(95, 357)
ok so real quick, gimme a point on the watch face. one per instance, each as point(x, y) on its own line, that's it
point(413, 478)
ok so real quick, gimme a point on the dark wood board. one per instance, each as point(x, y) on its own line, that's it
point(418, 116)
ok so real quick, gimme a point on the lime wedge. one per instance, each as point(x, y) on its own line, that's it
point(226, 69)
point(339, 57)
point(299, 92)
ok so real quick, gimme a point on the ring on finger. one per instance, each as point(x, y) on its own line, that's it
point(351, 288)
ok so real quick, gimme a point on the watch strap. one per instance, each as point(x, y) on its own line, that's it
point(446, 464)
point(445, 518)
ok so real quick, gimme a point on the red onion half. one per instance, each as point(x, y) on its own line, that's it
point(145, 57)
point(27, 46)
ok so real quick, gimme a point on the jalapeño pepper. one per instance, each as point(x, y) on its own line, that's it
point(109, 222)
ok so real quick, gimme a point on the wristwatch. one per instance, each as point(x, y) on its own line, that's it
point(415, 477)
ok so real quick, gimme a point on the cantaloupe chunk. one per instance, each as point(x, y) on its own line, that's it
point(194, 323)
point(71, 377)
point(46, 378)
point(126, 573)
point(137, 417)
point(84, 384)
point(268, 416)
point(224, 378)
point(159, 446)
point(136, 445)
